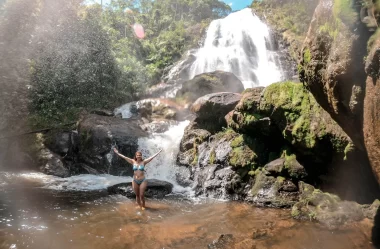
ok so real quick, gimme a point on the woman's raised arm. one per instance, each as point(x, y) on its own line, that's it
point(130, 160)
point(151, 158)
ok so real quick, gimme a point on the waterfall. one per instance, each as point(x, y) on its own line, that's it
point(163, 167)
point(241, 44)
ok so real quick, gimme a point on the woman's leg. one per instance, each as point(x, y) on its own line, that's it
point(142, 192)
point(136, 189)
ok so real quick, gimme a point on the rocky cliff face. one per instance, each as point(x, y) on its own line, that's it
point(371, 108)
point(331, 66)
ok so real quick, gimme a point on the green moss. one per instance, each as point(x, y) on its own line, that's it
point(343, 10)
point(349, 147)
point(295, 212)
point(280, 179)
point(226, 133)
point(242, 156)
point(288, 160)
point(301, 133)
point(372, 39)
point(252, 172)
point(307, 56)
point(299, 107)
point(237, 142)
point(212, 157)
point(195, 155)
point(330, 29)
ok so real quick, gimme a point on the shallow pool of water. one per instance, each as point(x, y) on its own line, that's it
point(33, 217)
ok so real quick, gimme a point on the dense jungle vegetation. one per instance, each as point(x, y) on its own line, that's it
point(75, 55)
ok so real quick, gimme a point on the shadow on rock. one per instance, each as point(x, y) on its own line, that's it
point(376, 230)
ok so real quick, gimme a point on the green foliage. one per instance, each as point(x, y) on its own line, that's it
point(372, 39)
point(330, 29)
point(344, 11)
point(89, 57)
point(290, 17)
point(171, 27)
point(307, 56)
point(74, 69)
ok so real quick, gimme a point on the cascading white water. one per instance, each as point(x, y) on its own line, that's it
point(163, 167)
point(238, 44)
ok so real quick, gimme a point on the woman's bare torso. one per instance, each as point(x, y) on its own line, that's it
point(138, 174)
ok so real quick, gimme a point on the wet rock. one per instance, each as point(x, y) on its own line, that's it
point(218, 182)
point(287, 166)
point(371, 210)
point(215, 105)
point(158, 126)
point(294, 168)
point(271, 191)
point(259, 233)
point(52, 164)
point(208, 83)
point(161, 108)
point(98, 134)
point(179, 72)
point(371, 111)
point(81, 168)
point(58, 142)
point(328, 65)
point(102, 112)
point(155, 189)
point(211, 109)
point(288, 186)
point(183, 176)
point(325, 208)
point(246, 244)
point(192, 136)
point(275, 167)
point(223, 242)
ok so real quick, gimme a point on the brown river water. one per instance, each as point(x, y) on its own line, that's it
point(34, 217)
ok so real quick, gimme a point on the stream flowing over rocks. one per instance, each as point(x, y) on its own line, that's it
point(232, 134)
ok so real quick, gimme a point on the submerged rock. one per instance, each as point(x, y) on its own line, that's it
point(155, 188)
point(223, 242)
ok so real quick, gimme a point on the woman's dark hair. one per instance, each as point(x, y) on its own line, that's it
point(137, 152)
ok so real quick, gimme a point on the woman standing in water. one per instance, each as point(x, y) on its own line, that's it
point(139, 182)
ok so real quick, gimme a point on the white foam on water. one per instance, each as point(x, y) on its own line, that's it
point(125, 110)
point(85, 182)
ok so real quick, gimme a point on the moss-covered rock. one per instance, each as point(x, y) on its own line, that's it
point(290, 112)
point(335, 44)
point(272, 191)
point(325, 208)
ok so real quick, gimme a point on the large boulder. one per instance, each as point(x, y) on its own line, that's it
point(328, 209)
point(155, 188)
point(337, 40)
point(211, 109)
point(99, 134)
point(334, 45)
point(371, 114)
point(288, 111)
point(207, 83)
